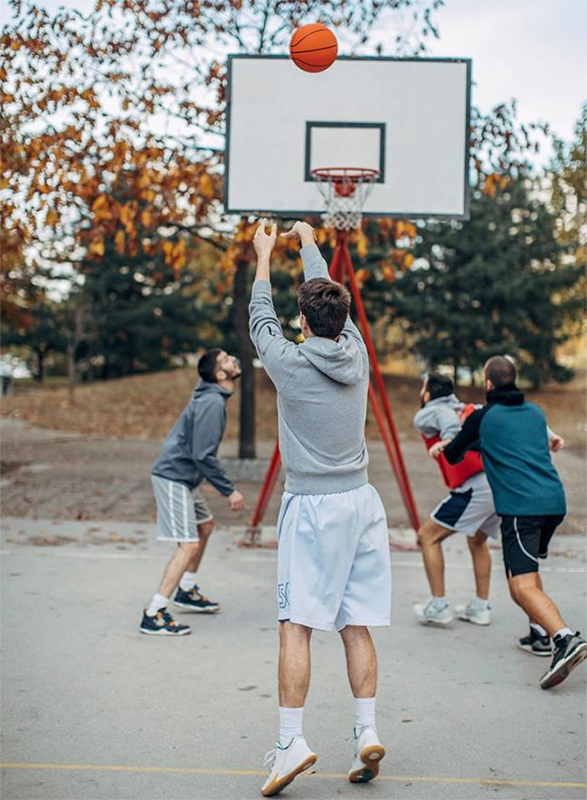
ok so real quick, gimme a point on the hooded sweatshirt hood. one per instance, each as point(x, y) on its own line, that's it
point(439, 417)
point(341, 361)
point(203, 387)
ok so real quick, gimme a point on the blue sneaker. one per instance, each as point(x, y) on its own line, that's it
point(194, 600)
point(162, 624)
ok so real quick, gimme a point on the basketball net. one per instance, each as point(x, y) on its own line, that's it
point(345, 191)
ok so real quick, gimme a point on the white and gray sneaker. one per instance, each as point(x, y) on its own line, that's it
point(368, 754)
point(475, 612)
point(434, 614)
point(287, 762)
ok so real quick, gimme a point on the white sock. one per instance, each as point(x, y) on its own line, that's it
point(439, 602)
point(365, 711)
point(563, 632)
point(188, 581)
point(158, 601)
point(538, 628)
point(290, 723)
point(481, 603)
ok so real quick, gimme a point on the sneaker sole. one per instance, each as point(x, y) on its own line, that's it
point(565, 667)
point(472, 620)
point(165, 633)
point(279, 785)
point(188, 607)
point(435, 623)
point(371, 758)
point(529, 649)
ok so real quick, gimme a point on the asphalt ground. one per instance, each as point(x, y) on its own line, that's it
point(91, 709)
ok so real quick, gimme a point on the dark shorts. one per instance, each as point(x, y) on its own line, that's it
point(525, 540)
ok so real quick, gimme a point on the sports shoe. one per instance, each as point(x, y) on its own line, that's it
point(194, 600)
point(536, 644)
point(286, 764)
point(569, 651)
point(432, 614)
point(368, 754)
point(475, 612)
point(162, 624)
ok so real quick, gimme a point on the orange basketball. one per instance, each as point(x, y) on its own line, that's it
point(313, 48)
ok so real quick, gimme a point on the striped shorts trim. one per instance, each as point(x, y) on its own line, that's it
point(179, 511)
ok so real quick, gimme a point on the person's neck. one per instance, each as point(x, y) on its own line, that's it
point(227, 384)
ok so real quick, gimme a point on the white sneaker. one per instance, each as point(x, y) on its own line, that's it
point(368, 754)
point(286, 764)
point(475, 613)
point(432, 614)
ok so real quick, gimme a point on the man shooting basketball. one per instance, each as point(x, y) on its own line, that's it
point(333, 552)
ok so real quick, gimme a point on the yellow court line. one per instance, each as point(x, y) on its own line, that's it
point(262, 773)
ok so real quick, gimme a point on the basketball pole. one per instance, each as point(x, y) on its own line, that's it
point(340, 265)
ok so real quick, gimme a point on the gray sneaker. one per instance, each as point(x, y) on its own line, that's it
point(433, 614)
point(536, 644)
point(475, 613)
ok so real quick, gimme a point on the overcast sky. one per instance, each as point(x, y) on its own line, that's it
point(531, 50)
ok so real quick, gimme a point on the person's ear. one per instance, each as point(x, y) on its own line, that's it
point(221, 375)
point(426, 397)
point(488, 385)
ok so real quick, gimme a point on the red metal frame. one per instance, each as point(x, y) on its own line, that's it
point(340, 266)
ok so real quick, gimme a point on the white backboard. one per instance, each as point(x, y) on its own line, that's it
point(407, 118)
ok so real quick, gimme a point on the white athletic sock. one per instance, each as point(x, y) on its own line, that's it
point(158, 601)
point(290, 724)
point(563, 632)
point(481, 603)
point(539, 629)
point(188, 581)
point(439, 602)
point(365, 711)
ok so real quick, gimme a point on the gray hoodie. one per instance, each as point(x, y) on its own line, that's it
point(321, 395)
point(440, 417)
point(189, 453)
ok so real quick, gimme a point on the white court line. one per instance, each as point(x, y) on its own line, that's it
point(261, 560)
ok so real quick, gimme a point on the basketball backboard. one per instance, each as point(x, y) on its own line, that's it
point(406, 118)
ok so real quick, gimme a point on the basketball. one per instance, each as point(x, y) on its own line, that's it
point(313, 48)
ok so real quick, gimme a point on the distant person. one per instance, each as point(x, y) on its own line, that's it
point(5, 376)
point(188, 456)
point(468, 509)
point(333, 544)
point(513, 439)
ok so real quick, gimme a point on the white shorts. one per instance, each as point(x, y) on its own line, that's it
point(469, 509)
point(179, 511)
point(333, 565)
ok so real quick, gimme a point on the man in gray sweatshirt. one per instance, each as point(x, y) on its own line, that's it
point(189, 456)
point(333, 551)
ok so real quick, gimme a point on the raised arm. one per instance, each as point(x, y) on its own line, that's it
point(316, 267)
point(264, 326)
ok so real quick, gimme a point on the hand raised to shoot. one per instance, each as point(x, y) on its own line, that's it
point(262, 242)
point(302, 231)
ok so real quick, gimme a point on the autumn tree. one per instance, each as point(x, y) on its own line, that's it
point(137, 87)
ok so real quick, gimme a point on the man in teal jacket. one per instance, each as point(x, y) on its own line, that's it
point(512, 437)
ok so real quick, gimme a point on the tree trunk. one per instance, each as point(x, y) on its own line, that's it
point(71, 372)
point(40, 376)
point(247, 446)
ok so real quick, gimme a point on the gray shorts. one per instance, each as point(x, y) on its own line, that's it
point(179, 511)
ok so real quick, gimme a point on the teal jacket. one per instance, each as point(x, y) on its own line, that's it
point(511, 435)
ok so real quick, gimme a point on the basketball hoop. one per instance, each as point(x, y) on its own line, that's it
point(345, 190)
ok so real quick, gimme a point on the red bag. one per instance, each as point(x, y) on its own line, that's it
point(456, 474)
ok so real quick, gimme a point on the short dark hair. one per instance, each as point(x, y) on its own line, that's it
point(325, 304)
point(439, 385)
point(207, 365)
point(500, 371)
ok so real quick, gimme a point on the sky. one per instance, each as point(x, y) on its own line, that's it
point(532, 50)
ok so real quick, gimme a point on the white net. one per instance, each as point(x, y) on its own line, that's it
point(345, 191)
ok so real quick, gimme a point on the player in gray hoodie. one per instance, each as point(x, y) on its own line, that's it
point(468, 509)
point(333, 551)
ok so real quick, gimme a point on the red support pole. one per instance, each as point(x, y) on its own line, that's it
point(404, 483)
point(266, 491)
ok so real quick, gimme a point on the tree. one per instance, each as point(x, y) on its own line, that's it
point(136, 87)
point(494, 284)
